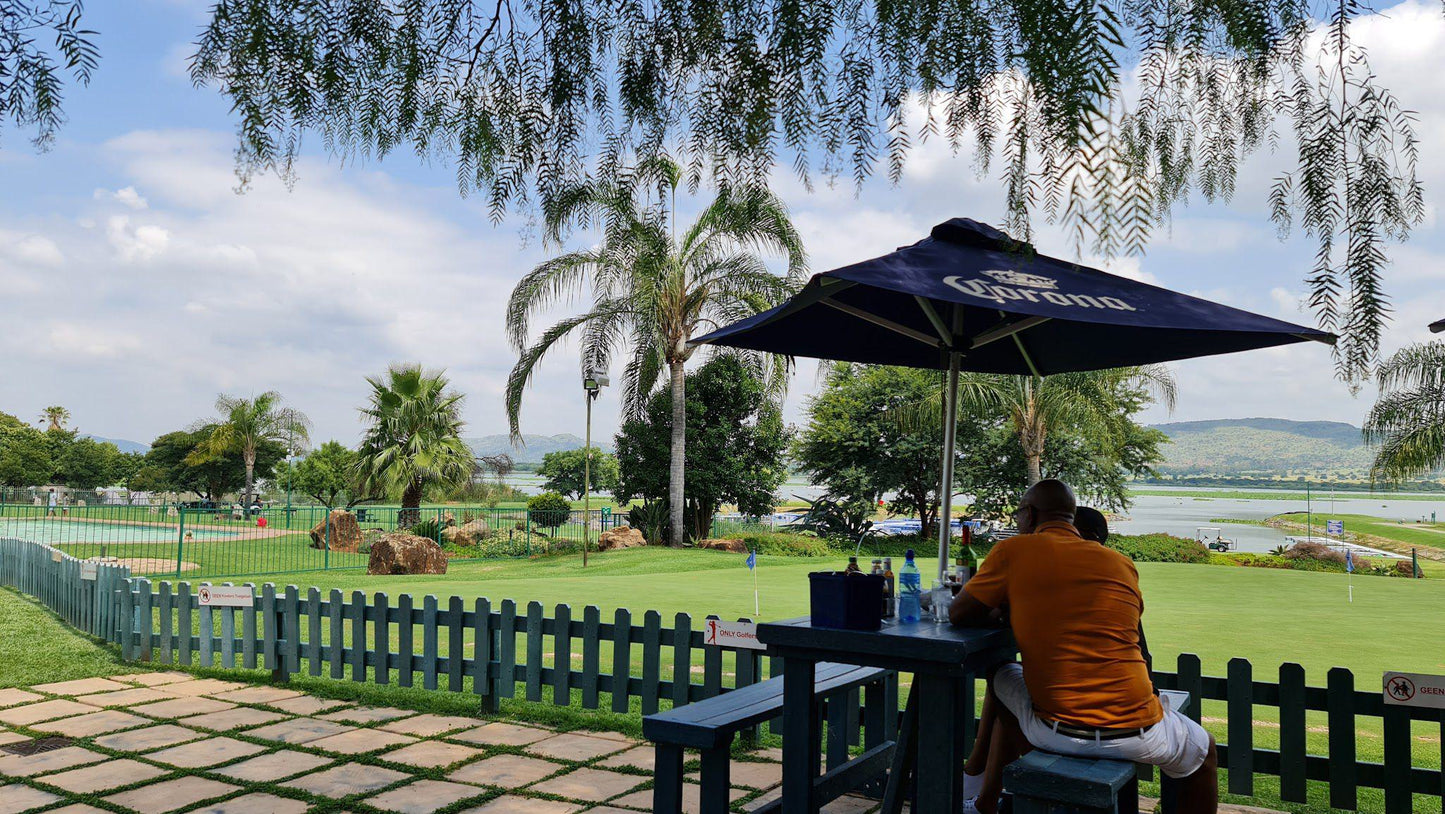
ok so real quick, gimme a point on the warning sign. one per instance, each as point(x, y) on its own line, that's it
point(732, 634)
point(89, 570)
point(211, 596)
point(1415, 690)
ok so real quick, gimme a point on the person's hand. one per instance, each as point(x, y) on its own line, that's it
point(998, 617)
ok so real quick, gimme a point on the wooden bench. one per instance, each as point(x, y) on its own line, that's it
point(710, 726)
point(1045, 783)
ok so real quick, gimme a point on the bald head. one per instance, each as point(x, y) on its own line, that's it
point(1047, 501)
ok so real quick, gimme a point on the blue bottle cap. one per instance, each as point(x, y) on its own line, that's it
point(908, 554)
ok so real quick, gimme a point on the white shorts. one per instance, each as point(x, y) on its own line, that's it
point(1177, 745)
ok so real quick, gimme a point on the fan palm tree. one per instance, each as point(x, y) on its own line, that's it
point(1407, 424)
point(55, 416)
point(245, 425)
point(653, 289)
point(413, 437)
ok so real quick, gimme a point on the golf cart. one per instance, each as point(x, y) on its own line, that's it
point(1213, 540)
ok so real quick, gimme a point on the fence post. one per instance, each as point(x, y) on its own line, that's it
point(326, 535)
point(1292, 749)
point(528, 514)
point(1398, 798)
point(180, 542)
point(1340, 699)
point(1240, 690)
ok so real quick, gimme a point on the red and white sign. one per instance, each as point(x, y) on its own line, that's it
point(1415, 690)
point(732, 634)
point(212, 596)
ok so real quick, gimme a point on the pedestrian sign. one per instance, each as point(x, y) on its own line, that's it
point(1335, 527)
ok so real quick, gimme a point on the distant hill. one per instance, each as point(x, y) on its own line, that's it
point(122, 444)
point(533, 448)
point(1263, 446)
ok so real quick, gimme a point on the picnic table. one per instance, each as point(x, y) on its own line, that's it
point(937, 721)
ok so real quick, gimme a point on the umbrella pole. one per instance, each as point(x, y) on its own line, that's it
point(945, 486)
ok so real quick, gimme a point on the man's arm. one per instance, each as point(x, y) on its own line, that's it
point(967, 611)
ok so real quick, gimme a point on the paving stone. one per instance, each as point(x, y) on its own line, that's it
point(95, 723)
point(233, 719)
point(144, 740)
point(765, 798)
point(81, 686)
point(16, 798)
point(428, 725)
point(299, 730)
point(66, 757)
point(172, 794)
point(43, 711)
point(610, 810)
point(103, 776)
point(505, 771)
point(366, 715)
point(346, 779)
point(360, 741)
point(572, 746)
point(11, 737)
point(78, 808)
point(259, 803)
point(201, 754)
point(691, 798)
point(12, 697)
point(152, 679)
point(643, 757)
point(423, 796)
point(849, 804)
point(204, 686)
point(125, 698)
point(772, 753)
point(523, 805)
point(593, 785)
point(182, 707)
point(256, 695)
point(432, 754)
point(274, 766)
point(752, 775)
point(308, 704)
point(501, 733)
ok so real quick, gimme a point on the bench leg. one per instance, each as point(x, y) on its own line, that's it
point(716, 778)
point(800, 745)
point(905, 757)
point(667, 788)
point(837, 715)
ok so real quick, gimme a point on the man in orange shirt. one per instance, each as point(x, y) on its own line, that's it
point(1083, 688)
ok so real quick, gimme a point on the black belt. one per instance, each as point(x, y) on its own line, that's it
point(1092, 734)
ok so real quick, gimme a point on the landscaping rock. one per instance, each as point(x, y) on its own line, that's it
point(344, 532)
point(401, 553)
point(620, 537)
point(735, 546)
point(468, 534)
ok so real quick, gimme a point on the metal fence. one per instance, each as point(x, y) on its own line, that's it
point(198, 542)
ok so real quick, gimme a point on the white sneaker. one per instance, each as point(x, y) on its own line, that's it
point(972, 785)
point(970, 806)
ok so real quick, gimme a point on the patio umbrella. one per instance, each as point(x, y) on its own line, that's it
point(969, 297)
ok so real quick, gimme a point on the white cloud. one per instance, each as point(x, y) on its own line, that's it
point(136, 244)
point(126, 196)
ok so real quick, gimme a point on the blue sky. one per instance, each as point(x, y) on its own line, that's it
point(136, 284)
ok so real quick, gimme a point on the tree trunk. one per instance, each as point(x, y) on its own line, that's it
point(1033, 444)
point(1035, 468)
point(410, 512)
point(250, 457)
point(679, 448)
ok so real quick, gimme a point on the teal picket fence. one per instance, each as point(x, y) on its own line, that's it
point(1285, 728)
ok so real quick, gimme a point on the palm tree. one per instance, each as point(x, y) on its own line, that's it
point(1407, 423)
point(56, 416)
point(413, 437)
point(653, 289)
point(245, 425)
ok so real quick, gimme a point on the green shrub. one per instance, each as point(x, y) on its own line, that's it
point(788, 544)
point(430, 528)
point(1158, 548)
point(651, 519)
point(549, 509)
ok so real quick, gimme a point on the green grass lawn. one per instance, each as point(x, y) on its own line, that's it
point(36, 647)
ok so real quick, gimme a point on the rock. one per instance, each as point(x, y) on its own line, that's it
point(735, 546)
point(468, 534)
point(344, 533)
point(402, 553)
point(620, 537)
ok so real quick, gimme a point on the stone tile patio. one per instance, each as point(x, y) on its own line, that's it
point(220, 747)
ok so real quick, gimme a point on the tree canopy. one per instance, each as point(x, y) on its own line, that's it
point(328, 474)
point(172, 465)
point(1406, 426)
point(564, 471)
point(41, 43)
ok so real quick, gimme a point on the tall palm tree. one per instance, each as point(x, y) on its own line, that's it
point(1407, 424)
point(413, 437)
point(653, 289)
point(55, 416)
point(245, 425)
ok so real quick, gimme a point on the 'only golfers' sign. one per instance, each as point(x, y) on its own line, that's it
point(212, 596)
point(1415, 690)
point(732, 634)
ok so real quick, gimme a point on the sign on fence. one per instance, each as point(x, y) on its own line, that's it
point(732, 634)
point(1415, 690)
point(89, 570)
point(56, 556)
point(1335, 527)
point(224, 597)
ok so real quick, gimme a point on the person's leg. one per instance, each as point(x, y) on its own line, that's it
point(1006, 745)
point(978, 758)
point(1199, 792)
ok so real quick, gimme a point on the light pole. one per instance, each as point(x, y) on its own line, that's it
point(592, 384)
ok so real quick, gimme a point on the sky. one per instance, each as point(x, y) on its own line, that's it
point(137, 283)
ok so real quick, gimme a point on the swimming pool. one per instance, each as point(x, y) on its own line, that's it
point(53, 530)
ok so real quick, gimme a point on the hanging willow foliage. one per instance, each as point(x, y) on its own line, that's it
point(1105, 115)
point(40, 42)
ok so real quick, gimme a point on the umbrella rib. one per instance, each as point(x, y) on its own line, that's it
point(884, 323)
point(932, 314)
point(1006, 330)
point(1028, 360)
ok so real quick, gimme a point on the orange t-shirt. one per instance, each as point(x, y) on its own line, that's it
point(1074, 606)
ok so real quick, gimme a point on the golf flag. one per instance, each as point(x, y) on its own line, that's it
point(752, 559)
point(753, 566)
point(1349, 562)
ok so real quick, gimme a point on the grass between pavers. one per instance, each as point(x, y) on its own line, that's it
point(37, 648)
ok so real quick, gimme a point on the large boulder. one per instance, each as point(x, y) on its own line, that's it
point(339, 531)
point(402, 553)
point(467, 535)
point(620, 537)
point(720, 544)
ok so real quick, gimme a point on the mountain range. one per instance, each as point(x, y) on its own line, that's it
point(1264, 447)
point(533, 447)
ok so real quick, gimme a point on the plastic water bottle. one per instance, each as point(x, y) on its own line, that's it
point(910, 590)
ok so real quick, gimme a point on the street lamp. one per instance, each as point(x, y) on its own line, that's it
point(592, 384)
